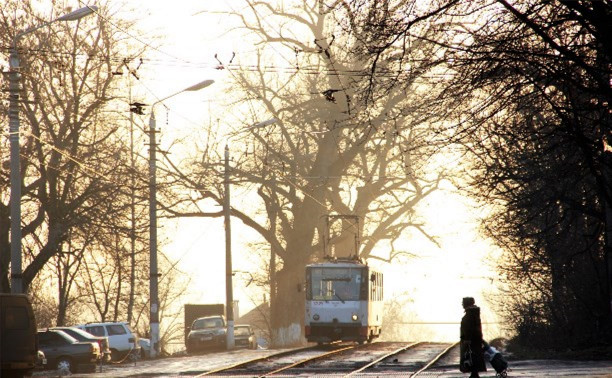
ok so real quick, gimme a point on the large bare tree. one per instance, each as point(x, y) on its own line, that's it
point(345, 142)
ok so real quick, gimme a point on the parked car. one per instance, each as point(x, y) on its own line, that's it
point(145, 348)
point(121, 340)
point(244, 336)
point(82, 335)
point(206, 333)
point(18, 343)
point(41, 360)
point(64, 352)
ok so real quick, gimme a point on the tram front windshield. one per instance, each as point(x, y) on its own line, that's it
point(334, 284)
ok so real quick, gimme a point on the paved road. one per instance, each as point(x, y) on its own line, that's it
point(193, 365)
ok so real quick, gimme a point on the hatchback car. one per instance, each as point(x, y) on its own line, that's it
point(122, 341)
point(244, 337)
point(82, 335)
point(64, 352)
point(207, 333)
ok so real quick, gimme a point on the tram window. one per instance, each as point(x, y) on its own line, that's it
point(376, 292)
point(337, 284)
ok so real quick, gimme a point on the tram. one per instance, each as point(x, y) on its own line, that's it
point(344, 302)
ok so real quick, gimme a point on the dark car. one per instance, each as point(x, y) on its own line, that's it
point(64, 352)
point(244, 337)
point(207, 333)
point(82, 335)
point(18, 344)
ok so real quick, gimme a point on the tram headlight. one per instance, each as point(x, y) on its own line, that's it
point(355, 317)
point(316, 317)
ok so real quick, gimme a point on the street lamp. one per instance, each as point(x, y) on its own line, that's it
point(229, 287)
point(13, 113)
point(154, 275)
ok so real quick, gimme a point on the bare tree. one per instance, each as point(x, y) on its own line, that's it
point(533, 86)
point(70, 141)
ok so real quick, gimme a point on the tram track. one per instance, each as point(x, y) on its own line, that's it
point(416, 360)
point(342, 359)
point(278, 362)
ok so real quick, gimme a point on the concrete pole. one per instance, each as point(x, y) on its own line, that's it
point(15, 167)
point(153, 273)
point(228, 256)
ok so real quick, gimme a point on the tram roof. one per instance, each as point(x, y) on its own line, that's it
point(338, 264)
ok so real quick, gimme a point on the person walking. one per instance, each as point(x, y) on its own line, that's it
point(472, 355)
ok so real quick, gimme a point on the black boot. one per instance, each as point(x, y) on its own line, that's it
point(474, 375)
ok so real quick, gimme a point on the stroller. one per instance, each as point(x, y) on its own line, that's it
point(496, 360)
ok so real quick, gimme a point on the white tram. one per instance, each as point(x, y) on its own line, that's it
point(344, 301)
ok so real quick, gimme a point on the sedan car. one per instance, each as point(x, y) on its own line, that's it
point(244, 337)
point(81, 335)
point(64, 352)
point(206, 333)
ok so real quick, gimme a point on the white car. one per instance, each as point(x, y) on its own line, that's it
point(122, 341)
point(145, 348)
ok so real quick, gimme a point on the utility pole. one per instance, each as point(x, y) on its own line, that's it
point(14, 78)
point(273, 219)
point(130, 308)
point(228, 257)
point(153, 273)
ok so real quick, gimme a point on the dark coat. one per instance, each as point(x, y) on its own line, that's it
point(471, 336)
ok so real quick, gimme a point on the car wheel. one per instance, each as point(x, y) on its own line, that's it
point(64, 364)
point(117, 356)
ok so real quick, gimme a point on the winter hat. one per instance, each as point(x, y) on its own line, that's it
point(467, 302)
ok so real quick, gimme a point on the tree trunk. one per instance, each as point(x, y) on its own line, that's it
point(288, 307)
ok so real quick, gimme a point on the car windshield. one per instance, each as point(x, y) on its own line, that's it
point(66, 336)
point(77, 333)
point(207, 323)
point(242, 331)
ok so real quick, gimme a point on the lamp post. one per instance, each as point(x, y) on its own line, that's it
point(153, 273)
point(15, 173)
point(229, 287)
point(229, 291)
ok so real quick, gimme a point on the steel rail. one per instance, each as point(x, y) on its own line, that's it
point(397, 351)
point(434, 360)
point(307, 360)
point(255, 360)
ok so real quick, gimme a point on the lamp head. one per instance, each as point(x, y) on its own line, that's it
point(263, 123)
point(200, 85)
point(79, 13)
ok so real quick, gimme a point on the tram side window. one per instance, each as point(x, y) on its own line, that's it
point(376, 293)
